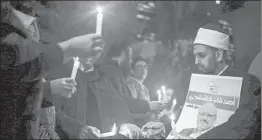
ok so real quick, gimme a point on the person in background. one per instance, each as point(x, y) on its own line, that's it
point(117, 68)
point(210, 47)
point(137, 88)
point(21, 82)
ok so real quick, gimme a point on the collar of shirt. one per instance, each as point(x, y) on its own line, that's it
point(222, 70)
point(28, 23)
point(26, 20)
point(196, 134)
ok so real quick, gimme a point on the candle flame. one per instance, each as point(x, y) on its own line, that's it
point(217, 1)
point(99, 10)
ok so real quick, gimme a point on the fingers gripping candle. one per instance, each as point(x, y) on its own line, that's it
point(99, 21)
point(75, 68)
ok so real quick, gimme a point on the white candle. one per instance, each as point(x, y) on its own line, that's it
point(172, 119)
point(99, 21)
point(159, 95)
point(75, 68)
point(109, 134)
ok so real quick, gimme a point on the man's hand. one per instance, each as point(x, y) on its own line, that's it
point(154, 128)
point(64, 86)
point(89, 132)
point(131, 131)
point(82, 46)
point(156, 106)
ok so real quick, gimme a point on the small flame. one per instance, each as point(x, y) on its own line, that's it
point(114, 129)
point(99, 10)
point(217, 1)
point(172, 117)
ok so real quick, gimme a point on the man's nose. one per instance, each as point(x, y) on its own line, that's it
point(196, 61)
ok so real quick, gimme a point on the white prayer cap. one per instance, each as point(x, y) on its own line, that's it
point(212, 35)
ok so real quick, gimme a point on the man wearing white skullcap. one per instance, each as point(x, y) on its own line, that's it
point(210, 46)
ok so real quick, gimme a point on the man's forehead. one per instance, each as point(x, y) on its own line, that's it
point(198, 48)
point(208, 108)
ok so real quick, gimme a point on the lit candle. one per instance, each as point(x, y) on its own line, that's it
point(109, 134)
point(172, 119)
point(75, 68)
point(159, 95)
point(99, 21)
point(217, 1)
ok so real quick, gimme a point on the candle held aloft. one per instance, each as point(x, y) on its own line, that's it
point(99, 21)
point(75, 68)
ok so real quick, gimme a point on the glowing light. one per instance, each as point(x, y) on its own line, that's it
point(99, 9)
point(99, 20)
point(217, 1)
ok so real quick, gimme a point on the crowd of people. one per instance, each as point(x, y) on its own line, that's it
point(39, 99)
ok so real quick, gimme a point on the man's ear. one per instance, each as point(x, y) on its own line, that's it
point(219, 55)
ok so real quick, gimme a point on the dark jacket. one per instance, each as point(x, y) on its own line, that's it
point(70, 112)
point(115, 75)
point(112, 108)
point(244, 123)
point(21, 83)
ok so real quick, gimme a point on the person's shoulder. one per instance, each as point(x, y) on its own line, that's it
point(109, 67)
point(249, 80)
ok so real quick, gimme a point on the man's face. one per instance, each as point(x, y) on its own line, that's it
point(205, 58)
point(206, 117)
point(140, 70)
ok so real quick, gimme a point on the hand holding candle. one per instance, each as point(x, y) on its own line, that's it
point(75, 68)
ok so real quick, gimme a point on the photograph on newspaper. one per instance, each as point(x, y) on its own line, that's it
point(210, 101)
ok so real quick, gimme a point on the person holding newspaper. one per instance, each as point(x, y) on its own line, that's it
point(210, 49)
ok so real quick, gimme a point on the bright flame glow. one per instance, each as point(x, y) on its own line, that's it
point(217, 1)
point(99, 10)
point(172, 117)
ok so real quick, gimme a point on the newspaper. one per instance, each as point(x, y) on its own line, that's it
point(210, 101)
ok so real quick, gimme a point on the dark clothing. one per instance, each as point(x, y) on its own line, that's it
point(115, 75)
point(70, 112)
point(112, 108)
point(20, 85)
point(244, 123)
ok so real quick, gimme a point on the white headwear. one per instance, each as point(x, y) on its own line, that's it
point(213, 36)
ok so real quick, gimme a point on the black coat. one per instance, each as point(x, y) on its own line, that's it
point(20, 83)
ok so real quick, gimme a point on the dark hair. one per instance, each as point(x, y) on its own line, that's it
point(137, 60)
point(116, 49)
